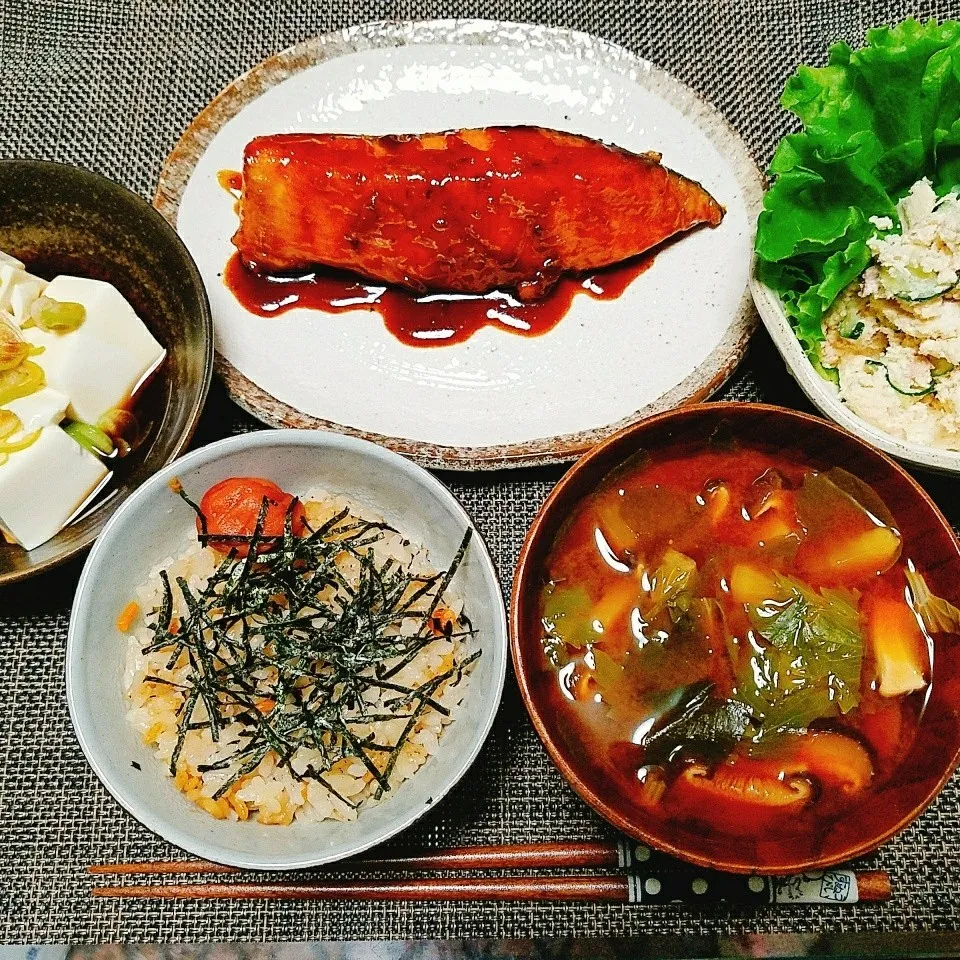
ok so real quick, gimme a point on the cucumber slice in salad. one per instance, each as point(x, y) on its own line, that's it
point(830, 374)
point(916, 392)
point(913, 285)
point(850, 328)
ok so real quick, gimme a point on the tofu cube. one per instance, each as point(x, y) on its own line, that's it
point(101, 364)
point(44, 408)
point(18, 289)
point(43, 487)
point(24, 295)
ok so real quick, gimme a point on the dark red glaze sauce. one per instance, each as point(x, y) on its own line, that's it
point(428, 320)
point(230, 180)
point(471, 211)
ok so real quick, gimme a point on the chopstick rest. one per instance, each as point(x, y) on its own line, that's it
point(706, 886)
point(651, 883)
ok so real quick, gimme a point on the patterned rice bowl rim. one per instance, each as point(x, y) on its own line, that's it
point(703, 381)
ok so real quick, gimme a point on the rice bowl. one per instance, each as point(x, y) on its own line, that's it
point(154, 532)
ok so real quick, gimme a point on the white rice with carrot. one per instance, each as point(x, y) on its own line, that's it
point(306, 681)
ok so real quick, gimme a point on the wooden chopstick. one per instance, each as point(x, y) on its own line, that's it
point(649, 878)
point(873, 886)
point(161, 867)
point(521, 856)
point(470, 888)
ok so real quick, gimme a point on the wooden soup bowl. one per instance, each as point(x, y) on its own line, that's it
point(928, 539)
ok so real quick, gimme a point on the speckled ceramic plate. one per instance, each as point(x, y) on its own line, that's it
point(496, 399)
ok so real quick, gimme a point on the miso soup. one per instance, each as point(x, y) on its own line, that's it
point(740, 641)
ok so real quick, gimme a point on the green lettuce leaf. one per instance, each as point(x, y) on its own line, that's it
point(875, 121)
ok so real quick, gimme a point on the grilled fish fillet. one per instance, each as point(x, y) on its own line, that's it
point(466, 211)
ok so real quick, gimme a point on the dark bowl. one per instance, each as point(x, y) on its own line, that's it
point(62, 219)
point(928, 538)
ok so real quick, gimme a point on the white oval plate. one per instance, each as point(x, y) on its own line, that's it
point(154, 523)
point(826, 398)
point(498, 399)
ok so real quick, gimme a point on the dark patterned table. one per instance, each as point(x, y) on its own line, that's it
point(110, 85)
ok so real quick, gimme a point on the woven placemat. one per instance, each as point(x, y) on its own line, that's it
point(111, 85)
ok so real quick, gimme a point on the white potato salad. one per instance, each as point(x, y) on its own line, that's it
point(893, 337)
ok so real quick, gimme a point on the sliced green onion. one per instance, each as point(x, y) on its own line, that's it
point(122, 427)
point(9, 424)
point(16, 446)
point(21, 381)
point(90, 437)
point(119, 422)
point(57, 316)
point(13, 349)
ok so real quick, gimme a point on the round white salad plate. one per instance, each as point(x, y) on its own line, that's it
point(826, 398)
point(154, 523)
point(497, 399)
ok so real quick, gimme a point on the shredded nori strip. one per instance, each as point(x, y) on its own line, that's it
point(280, 642)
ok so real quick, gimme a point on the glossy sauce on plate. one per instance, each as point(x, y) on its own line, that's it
point(427, 320)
